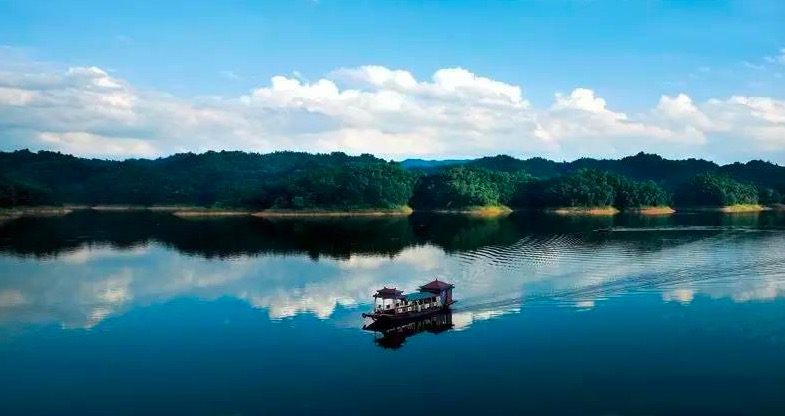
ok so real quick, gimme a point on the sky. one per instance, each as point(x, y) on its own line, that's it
point(560, 79)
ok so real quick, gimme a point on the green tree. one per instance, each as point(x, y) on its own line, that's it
point(768, 196)
point(462, 187)
point(585, 188)
point(711, 189)
point(637, 194)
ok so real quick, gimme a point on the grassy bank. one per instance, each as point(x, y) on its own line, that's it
point(156, 208)
point(665, 210)
point(730, 209)
point(743, 208)
point(46, 211)
point(479, 211)
point(179, 210)
point(34, 211)
point(370, 212)
point(117, 208)
point(594, 211)
point(7, 214)
point(489, 211)
point(194, 213)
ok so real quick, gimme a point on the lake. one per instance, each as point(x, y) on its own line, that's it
point(147, 313)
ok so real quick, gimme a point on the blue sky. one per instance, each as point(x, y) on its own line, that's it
point(628, 53)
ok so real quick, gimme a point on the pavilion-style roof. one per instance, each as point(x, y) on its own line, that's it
point(436, 285)
point(388, 293)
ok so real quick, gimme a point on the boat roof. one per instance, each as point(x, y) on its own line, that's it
point(436, 285)
point(388, 293)
point(418, 295)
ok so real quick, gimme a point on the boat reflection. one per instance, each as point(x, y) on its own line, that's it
point(393, 334)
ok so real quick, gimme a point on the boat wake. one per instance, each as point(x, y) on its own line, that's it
point(572, 270)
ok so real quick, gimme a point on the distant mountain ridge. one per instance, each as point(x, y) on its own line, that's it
point(642, 166)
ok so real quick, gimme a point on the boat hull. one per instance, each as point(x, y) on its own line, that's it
point(385, 317)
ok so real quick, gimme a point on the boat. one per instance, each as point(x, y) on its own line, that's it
point(391, 304)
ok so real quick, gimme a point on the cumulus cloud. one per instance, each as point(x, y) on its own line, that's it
point(82, 142)
point(681, 110)
point(582, 114)
point(89, 111)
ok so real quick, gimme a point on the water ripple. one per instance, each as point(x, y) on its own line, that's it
point(580, 269)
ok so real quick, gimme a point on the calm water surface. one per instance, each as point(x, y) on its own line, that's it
point(122, 314)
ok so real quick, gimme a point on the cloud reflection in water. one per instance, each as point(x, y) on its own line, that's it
point(498, 273)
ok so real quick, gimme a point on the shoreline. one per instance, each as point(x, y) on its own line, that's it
point(590, 211)
point(743, 208)
point(43, 211)
point(206, 213)
point(272, 213)
point(116, 208)
point(154, 208)
point(9, 214)
point(486, 212)
point(729, 209)
point(651, 211)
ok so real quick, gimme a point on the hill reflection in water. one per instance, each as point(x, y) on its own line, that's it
point(338, 238)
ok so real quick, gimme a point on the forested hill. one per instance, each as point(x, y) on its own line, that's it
point(643, 166)
point(226, 179)
point(336, 181)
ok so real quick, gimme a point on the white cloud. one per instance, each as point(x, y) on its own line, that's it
point(389, 112)
point(584, 115)
point(778, 59)
point(756, 67)
point(380, 76)
point(583, 99)
point(89, 144)
point(16, 96)
point(767, 109)
point(682, 109)
point(230, 75)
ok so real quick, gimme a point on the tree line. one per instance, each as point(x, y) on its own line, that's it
point(336, 181)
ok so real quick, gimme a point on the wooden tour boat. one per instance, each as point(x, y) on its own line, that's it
point(390, 304)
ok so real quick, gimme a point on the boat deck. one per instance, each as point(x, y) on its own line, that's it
point(407, 315)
